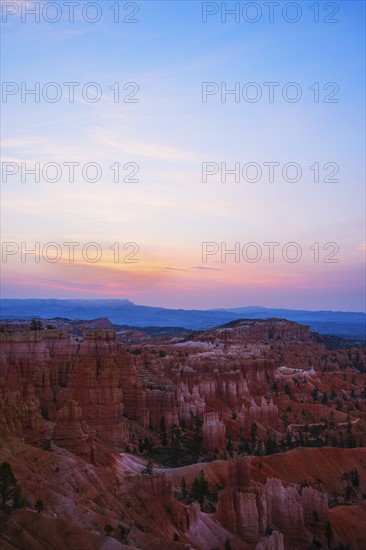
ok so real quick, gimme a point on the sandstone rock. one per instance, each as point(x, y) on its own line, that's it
point(72, 433)
point(213, 432)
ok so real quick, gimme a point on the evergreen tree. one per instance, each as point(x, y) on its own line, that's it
point(199, 488)
point(19, 498)
point(164, 439)
point(355, 476)
point(253, 432)
point(184, 487)
point(8, 483)
point(35, 325)
point(108, 529)
point(123, 532)
point(270, 444)
point(230, 448)
point(329, 535)
point(316, 520)
point(39, 506)
point(197, 437)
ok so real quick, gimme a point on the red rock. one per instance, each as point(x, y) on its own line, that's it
point(213, 432)
point(72, 433)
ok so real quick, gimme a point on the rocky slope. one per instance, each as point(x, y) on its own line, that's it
point(107, 433)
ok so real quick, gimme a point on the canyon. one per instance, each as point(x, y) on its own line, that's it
point(249, 435)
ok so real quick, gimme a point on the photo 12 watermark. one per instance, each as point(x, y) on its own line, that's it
point(69, 92)
point(269, 251)
point(70, 252)
point(269, 12)
point(269, 171)
point(69, 171)
point(269, 92)
point(29, 11)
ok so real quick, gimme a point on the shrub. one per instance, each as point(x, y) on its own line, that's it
point(108, 529)
point(39, 506)
point(44, 413)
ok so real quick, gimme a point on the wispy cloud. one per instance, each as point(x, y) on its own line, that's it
point(145, 149)
point(206, 268)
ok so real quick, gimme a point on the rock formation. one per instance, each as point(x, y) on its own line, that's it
point(252, 432)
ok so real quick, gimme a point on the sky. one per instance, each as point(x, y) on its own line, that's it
point(152, 127)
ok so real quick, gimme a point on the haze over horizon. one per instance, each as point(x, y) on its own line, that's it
point(155, 305)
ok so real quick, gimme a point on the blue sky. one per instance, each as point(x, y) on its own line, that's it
point(169, 133)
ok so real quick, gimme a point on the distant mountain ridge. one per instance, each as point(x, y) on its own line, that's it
point(125, 312)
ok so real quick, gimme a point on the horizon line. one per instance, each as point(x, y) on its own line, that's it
point(182, 309)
